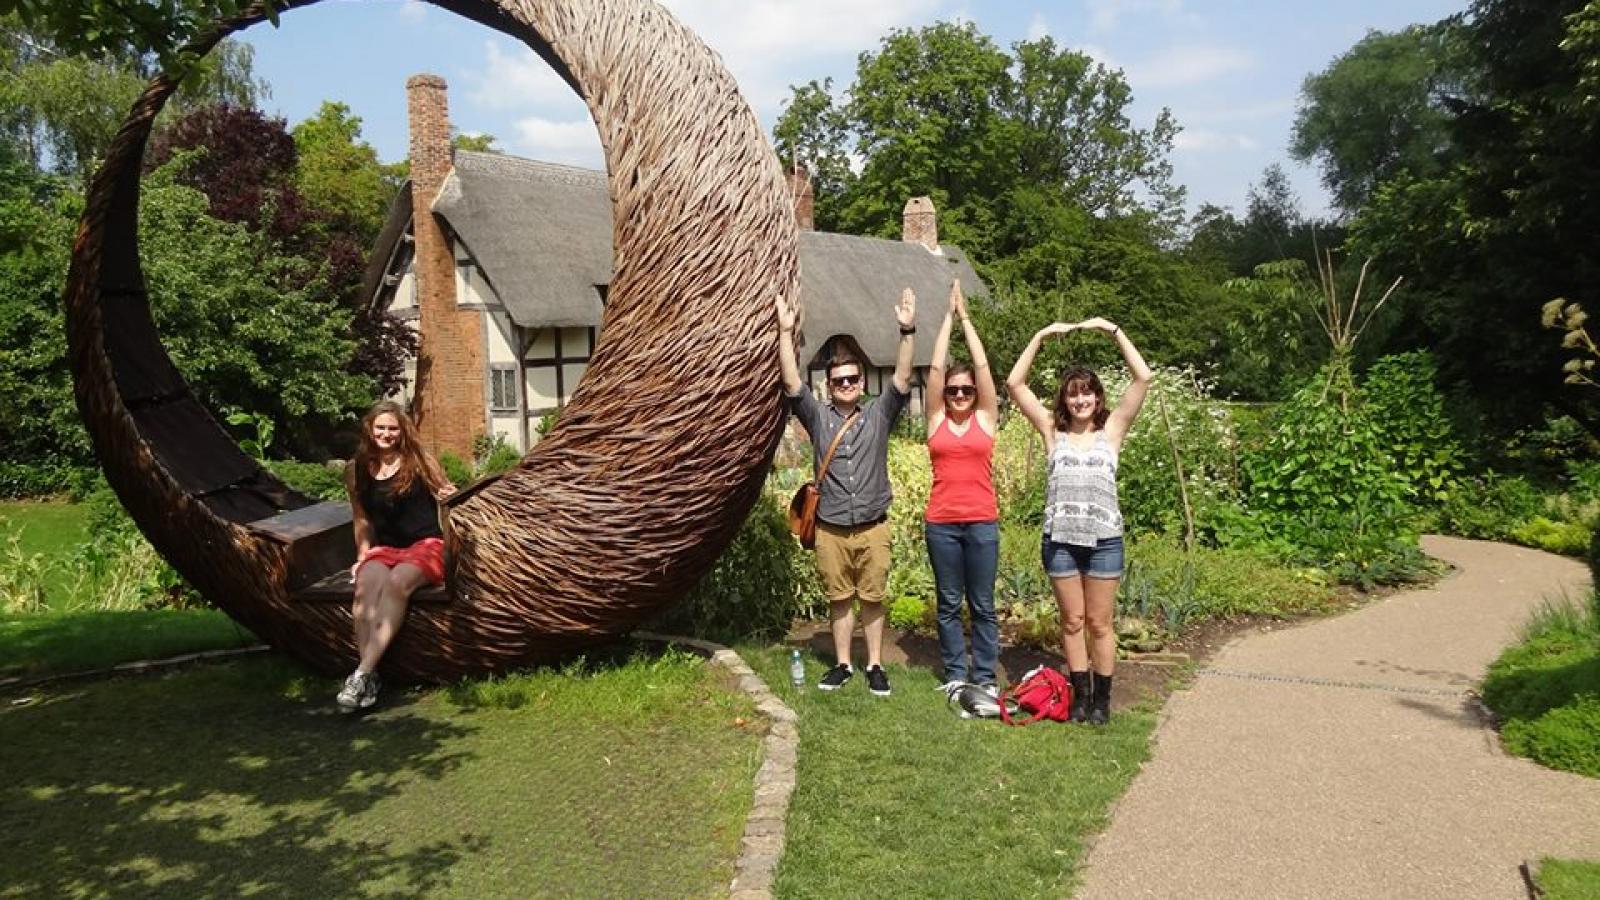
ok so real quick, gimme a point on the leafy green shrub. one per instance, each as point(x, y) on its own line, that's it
point(1488, 507)
point(320, 480)
point(1546, 689)
point(1219, 583)
point(20, 480)
point(1019, 471)
point(1179, 411)
point(910, 613)
point(757, 587)
point(459, 473)
point(1569, 538)
point(1408, 410)
point(1325, 485)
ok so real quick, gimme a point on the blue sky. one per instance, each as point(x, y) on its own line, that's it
point(1229, 70)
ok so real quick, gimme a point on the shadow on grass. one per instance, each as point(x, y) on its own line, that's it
point(79, 641)
point(213, 782)
point(1531, 691)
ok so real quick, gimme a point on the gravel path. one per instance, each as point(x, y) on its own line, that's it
point(1347, 758)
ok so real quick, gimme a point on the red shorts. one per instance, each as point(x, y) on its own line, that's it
point(426, 554)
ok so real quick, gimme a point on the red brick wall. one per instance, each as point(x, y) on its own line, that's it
point(804, 199)
point(919, 225)
point(449, 403)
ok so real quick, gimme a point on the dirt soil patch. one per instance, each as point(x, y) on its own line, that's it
point(1141, 678)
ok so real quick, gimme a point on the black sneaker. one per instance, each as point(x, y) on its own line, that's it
point(878, 681)
point(835, 678)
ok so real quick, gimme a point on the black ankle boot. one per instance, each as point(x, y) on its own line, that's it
point(1079, 712)
point(1100, 706)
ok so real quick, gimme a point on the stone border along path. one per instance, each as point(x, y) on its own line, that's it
point(761, 847)
point(1349, 757)
point(762, 844)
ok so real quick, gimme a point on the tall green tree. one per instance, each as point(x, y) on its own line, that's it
point(339, 173)
point(1383, 108)
point(1508, 224)
point(112, 28)
point(60, 109)
point(812, 133)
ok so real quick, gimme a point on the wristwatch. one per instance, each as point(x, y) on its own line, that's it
point(905, 330)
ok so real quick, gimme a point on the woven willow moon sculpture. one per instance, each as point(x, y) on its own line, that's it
point(654, 463)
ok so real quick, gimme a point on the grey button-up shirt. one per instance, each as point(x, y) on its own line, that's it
point(856, 491)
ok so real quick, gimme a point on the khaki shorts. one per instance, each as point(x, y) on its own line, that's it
point(853, 562)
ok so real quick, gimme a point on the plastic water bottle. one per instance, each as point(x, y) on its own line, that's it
point(797, 670)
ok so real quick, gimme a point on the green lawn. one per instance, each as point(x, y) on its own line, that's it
point(52, 527)
point(1546, 689)
point(622, 779)
point(1567, 879)
point(44, 643)
point(899, 797)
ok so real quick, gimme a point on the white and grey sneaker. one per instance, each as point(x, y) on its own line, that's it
point(369, 693)
point(355, 687)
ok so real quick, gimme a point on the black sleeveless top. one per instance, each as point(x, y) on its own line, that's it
point(398, 520)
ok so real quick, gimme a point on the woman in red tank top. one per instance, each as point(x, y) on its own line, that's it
point(962, 522)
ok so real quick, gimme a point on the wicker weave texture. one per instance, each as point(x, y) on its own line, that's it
point(652, 466)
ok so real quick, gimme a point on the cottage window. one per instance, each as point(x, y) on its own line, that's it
point(503, 388)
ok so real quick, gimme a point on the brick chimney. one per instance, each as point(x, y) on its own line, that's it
point(449, 403)
point(800, 192)
point(919, 224)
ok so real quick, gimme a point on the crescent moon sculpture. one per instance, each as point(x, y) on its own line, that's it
point(653, 465)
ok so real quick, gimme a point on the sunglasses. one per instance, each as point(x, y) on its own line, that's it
point(961, 390)
point(845, 381)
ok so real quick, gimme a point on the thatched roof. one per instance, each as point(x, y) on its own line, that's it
point(542, 234)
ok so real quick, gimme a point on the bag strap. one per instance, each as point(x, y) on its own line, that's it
point(850, 420)
point(1005, 716)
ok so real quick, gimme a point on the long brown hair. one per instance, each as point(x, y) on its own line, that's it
point(414, 461)
point(1075, 381)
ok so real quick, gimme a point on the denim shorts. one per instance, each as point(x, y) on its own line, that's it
point(1103, 560)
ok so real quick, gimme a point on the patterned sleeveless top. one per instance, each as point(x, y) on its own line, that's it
point(1080, 505)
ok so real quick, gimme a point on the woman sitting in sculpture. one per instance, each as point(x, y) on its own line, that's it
point(395, 487)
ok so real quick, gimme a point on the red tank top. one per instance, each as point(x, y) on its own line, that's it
point(963, 475)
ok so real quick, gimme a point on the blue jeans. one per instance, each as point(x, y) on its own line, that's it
point(965, 558)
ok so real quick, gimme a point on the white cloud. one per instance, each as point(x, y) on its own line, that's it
point(573, 142)
point(1038, 28)
point(1203, 141)
point(765, 43)
point(1188, 65)
point(520, 80)
point(413, 12)
point(1106, 15)
point(1250, 112)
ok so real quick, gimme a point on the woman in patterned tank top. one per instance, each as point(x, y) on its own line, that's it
point(962, 521)
point(1082, 544)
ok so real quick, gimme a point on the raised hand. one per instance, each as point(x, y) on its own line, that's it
point(787, 318)
point(1059, 328)
point(1099, 324)
point(905, 312)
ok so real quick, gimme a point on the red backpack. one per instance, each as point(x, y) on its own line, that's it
point(1043, 692)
